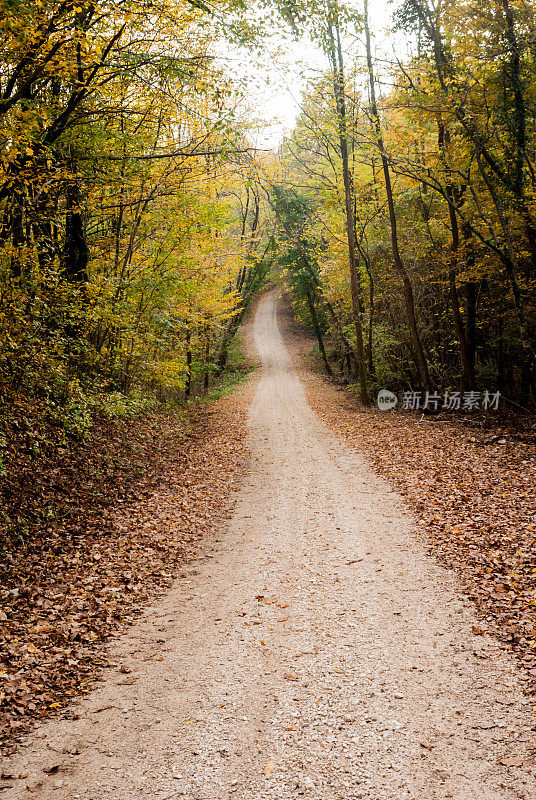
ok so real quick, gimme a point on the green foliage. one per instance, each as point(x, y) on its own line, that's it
point(238, 369)
point(459, 148)
point(125, 252)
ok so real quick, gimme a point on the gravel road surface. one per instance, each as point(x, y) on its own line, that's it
point(316, 650)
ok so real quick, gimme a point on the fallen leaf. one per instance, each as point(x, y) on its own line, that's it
point(476, 504)
point(291, 676)
point(515, 761)
point(119, 516)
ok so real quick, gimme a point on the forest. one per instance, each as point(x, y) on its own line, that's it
point(199, 322)
point(138, 220)
point(417, 175)
point(130, 215)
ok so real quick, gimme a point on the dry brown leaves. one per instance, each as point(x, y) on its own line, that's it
point(474, 490)
point(108, 526)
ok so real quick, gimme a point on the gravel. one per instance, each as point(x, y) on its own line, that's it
point(318, 651)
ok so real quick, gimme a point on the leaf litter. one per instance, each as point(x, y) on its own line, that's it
point(92, 534)
point(472, 484)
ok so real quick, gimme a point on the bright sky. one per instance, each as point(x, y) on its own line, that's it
point(275, 82)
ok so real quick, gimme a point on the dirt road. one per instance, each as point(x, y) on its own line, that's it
point(317, 651)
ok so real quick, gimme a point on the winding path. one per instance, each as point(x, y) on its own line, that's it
point(318, 651)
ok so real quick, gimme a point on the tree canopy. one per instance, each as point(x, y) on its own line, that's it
point(137, 220)
point(423, 165)
point(127, 246)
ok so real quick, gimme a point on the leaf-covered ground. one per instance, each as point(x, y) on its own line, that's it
point(90, 535)
point(472, 483)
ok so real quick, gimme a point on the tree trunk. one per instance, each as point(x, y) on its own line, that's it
point(347, 346)
point(206, 379)
point(471, 298)
point(468, 380)
point(318, 332)
point(420, 357)
point(188, 382)
point(17, 236)
point(76, 251)
point(339, 93)
point(370, 351)
point(468, 366)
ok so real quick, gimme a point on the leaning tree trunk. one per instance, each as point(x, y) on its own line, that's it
point(318, 332)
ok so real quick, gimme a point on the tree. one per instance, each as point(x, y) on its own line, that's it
point(397, 258)
point(118, 242)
